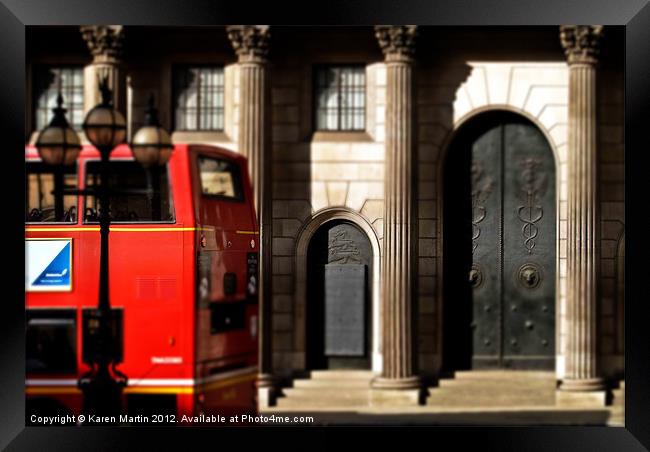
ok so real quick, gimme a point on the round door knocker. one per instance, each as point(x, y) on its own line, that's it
point(475, 276)
point(530, 276)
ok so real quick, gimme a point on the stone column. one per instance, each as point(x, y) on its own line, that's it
point(251, 43)
point(105, 45)
point(581, 44)
point(398, 379)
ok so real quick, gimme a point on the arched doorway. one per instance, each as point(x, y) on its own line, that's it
point(499, 246)
point(339, 293)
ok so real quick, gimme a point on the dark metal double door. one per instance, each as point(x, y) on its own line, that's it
point(511, 275)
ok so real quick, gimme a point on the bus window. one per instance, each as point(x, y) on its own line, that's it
point(41, 201)
point(220, 178)
point(51, 341)
point(140, 195)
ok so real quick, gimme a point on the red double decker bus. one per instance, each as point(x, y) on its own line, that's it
point(183, 282)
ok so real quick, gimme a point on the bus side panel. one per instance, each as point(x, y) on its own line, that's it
point(151, 277)
point(46, 391)
point(230, 396)
point(226, 319)
point(146, 278)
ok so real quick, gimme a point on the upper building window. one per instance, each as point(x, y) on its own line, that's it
point(198, 94)
point(48, 83)
point(340, 98)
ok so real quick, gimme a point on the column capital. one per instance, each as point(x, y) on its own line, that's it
point(104, 41)
point(397, 42)
point(581, 43)
point(250, 42)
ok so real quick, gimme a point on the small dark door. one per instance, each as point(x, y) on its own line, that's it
point(338, 302)
point(500, 239)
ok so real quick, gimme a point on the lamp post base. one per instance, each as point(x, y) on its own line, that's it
point(102, 396)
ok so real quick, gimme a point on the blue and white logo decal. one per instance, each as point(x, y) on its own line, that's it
point(48, 265)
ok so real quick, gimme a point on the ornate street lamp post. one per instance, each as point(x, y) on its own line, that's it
point(105, 128)
point(152, 147)
point(59, 145)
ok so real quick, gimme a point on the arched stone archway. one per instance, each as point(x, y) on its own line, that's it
point(305, 235)
point(499, 171)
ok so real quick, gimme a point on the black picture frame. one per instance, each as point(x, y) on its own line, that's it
point(16, 15)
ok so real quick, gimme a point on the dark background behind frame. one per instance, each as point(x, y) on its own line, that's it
point(15, 14)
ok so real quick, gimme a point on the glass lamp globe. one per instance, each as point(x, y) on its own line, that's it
point(104, 126)
point(58, 143)
point(151, 144)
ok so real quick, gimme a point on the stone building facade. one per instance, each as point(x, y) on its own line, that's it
point(420, 87)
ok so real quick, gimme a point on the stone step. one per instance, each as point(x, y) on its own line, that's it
point(617, 409)
point(532, 389)
point(494, 394)
point(332, 383)
point(618, 397)
point(327, 393)
point(308, 403)
point(329, 388)
point(482, 388)
point(485, 400)
point(616, 421)
point(503, 375)
point(617, 415)
point(342, 374)
point(494, 390)
point(495, 384)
